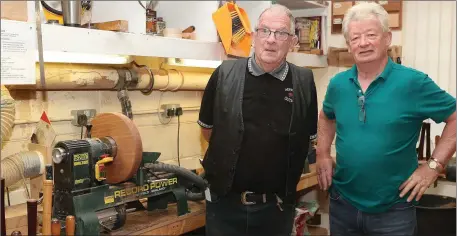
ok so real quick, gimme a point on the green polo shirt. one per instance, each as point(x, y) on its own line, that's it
point(377, 154)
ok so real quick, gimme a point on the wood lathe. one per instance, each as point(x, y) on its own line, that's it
point(97, 180)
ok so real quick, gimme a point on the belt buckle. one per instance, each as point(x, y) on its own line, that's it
point(243, 198)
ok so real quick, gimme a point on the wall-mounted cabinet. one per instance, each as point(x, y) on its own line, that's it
point(339, 8)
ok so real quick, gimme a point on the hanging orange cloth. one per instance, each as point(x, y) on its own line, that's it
point(232, 24)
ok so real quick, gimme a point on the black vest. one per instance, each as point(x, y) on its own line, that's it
point(227, 133)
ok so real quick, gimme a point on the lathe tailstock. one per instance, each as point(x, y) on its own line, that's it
point(99, 178)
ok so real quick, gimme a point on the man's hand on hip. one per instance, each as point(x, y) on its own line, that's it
point(418, 182)
point(324, 167)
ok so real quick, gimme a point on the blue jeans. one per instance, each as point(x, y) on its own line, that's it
point(228, 216)
point(346, 220)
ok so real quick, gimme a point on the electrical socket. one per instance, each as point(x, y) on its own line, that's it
point(78, 114)
point(169, 110)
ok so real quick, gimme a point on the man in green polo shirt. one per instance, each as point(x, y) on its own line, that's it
point(376, 110)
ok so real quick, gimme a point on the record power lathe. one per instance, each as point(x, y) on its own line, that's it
point(97, 178)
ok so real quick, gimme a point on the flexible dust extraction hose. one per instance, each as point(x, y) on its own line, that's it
point(7, 114)
point(186, 174)
point(22, 165)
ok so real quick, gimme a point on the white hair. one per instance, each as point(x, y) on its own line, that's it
point(364, 11)
point(282, 9)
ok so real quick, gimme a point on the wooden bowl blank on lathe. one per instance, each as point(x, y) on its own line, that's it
point(128, 140)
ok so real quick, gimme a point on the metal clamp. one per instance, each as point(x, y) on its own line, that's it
point(126, 79)
point(243, 198)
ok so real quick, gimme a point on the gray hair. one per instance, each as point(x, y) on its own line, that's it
point(282, 9)
point(364, 11)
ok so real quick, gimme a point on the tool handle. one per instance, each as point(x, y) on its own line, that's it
point(70, 225)
point(55, 227)
point(189, 29)
point(16, 233)
point(47, 206)
point(32, 216)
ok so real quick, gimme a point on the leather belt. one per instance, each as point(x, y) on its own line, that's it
point(250, 198)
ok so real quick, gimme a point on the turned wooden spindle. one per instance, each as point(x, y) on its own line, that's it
point(70, 225)
point(32, 216)
point(55, 227)
point(47, 206)
point(2, 207)
point(16, 233)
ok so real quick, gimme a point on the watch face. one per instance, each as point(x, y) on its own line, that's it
point(432, 164)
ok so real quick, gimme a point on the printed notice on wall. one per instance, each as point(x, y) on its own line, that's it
point(18, 53)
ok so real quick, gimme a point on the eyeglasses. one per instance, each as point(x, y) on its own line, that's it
point(362, 114)
point(279, 35)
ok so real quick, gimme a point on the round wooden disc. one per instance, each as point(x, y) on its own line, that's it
point(129, 146)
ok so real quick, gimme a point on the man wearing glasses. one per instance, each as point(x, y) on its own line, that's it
point(258, 115)
point(376, 109)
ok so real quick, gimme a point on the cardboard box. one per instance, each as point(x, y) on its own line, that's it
point(394, 20)
point(340, 8)
point(14, 10)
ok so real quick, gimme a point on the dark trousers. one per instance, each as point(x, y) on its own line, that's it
point(346, 220)
point(228, 216)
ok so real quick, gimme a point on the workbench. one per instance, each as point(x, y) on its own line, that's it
point(157, 222)
point(166, 222)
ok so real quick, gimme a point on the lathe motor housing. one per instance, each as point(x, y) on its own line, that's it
point(75, 170)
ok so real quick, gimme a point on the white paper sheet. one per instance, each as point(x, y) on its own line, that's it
point(18, 51)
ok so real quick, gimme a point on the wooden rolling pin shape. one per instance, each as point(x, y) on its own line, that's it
point(55, 227)
point(70, 225)
point(47, 206)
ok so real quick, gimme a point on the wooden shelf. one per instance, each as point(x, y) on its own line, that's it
point(59, 38)
point(300, 4)
point(81, 40)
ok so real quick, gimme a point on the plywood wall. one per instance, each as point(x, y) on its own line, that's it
point(429, 43)
point(429, 40)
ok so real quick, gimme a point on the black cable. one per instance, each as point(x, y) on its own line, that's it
point(179, 124)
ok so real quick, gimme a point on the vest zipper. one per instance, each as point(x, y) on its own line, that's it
point(288, 149)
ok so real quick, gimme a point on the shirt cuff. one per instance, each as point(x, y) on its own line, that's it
point(204, 125)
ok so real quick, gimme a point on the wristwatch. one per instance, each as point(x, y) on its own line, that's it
point(434, 164)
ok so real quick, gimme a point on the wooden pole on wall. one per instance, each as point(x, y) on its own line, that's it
point(2, 207)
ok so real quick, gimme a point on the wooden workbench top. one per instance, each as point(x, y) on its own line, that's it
point(164, 222)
